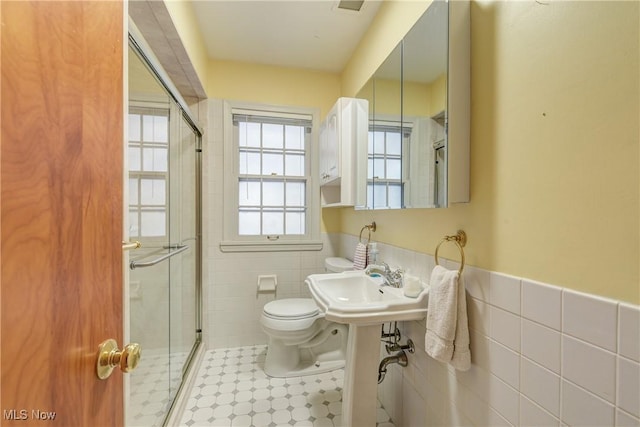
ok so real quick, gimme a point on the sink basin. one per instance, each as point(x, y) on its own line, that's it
point(356, 298)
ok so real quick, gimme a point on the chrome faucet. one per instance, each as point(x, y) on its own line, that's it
point(391, 277)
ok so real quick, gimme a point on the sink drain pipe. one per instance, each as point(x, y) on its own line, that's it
point(400, 359)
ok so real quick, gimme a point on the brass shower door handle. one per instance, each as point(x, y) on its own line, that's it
point(131, 245)
point(109, 357)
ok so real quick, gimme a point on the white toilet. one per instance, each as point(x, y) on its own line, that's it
point(301, 341)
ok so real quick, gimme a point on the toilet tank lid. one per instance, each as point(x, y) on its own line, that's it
point(337, 264)
point(291, 308)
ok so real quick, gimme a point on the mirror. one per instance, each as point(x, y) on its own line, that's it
point(410, 150)
point(385, 144)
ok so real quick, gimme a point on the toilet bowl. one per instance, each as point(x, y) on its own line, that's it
point(301, 340)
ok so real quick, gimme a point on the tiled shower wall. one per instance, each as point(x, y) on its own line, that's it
point(541, 356)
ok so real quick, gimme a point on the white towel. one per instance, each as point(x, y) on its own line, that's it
point(360, 257)
point(447, 337)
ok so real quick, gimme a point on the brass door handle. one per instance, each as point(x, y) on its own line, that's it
point(109, 357)
point(131, 245)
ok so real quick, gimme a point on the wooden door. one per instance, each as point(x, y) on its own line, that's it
point(61, 214)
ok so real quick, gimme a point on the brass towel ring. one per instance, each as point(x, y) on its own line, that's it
point(369, 227)
point(460, 239)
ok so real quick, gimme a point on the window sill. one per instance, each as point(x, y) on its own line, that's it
point(255, 246)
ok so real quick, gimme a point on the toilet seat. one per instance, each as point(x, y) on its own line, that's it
point(290, 314)
point(291, 308)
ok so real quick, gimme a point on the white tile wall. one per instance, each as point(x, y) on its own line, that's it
point(541, 303)
point(628, 332)
point(590, 318)
point(541, 345)
point(541, 356)
point(628, 386)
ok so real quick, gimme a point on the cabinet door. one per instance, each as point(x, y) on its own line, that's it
point(332, 146)
point(324, 156)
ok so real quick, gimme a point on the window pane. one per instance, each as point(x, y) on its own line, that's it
point(273, 222)
point(249, 193)
point(370, 200)
point(378, 168)
point(272, 136)
point(294, 165)
point(134, 127)
point(273, 193)
point(160, 159)
point(394, 145)
point(249, 163)
point(160, 129)
point(133, 191)
point(147, 128)
point(379, 195)
point(155, 128)
point(395, 196)
point(370, 168)
point(295, 222)
point(294, 137)
point(249, 223)
point(152, 192)
point(153, 223)
point(378, 142)
point(249, 134)
point(394, 169)
point(295, 194)
point(154, 159)
point(134, 158)
point(273, 164)
point(370, 142)
point(134, 230)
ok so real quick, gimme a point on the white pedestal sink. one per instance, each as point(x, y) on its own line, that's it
point(356, 299)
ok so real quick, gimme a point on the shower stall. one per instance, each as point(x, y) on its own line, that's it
point(163, 187)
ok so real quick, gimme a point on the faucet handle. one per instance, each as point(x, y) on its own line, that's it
point(397, 277)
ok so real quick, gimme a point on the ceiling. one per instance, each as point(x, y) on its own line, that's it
point(311, 34)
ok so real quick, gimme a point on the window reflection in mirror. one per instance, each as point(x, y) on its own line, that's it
point(407, 96)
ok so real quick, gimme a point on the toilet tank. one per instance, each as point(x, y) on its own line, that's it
point(337, 265)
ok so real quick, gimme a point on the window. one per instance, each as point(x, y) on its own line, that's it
point(385, 167)
point(271, 189)
point(148, 171)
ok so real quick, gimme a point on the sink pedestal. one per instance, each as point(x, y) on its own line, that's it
point(360, 391)
point(354, 298)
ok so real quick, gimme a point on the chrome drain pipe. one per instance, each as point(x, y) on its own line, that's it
point(400, 359)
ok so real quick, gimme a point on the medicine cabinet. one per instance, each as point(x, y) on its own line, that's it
point(418, 145)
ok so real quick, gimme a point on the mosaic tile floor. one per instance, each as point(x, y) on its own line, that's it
point(153, 384)
point(233, 390)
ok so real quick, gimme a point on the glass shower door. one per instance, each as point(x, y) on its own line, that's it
point(183, 267)
point(163, 188)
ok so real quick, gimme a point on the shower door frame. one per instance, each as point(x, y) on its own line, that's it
point(138, 43)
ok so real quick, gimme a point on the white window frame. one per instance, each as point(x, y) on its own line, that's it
point(232, 241)
point(151, 105)
point(405, 129)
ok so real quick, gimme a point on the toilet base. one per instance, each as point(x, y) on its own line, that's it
point(304, 368)
point(326, 352)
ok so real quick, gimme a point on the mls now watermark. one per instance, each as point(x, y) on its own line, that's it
point(24, 414)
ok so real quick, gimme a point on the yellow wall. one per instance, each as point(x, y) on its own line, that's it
point(438, 95)
point(555, 122)
point(267, 84)
point(393, 20)
point(242, 81)
point(186, 24)
point(388, 98)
